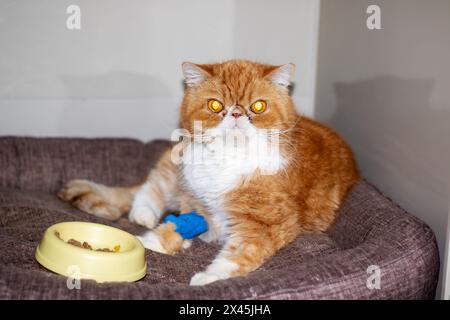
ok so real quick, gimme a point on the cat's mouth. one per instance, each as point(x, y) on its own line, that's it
point(239, 124)
point(238, 129)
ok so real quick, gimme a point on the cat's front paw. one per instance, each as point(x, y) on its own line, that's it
point(202, 278)
point(144, 216)
point(151, 241)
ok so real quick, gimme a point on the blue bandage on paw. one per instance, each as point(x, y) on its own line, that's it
point(188, 225)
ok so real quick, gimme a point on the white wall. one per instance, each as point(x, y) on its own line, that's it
point(120, 74)
point(387, 91)
point(446, 264)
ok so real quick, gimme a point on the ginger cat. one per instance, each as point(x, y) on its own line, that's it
point(255, 199)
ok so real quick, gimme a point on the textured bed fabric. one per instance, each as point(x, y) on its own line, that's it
point(370, 230)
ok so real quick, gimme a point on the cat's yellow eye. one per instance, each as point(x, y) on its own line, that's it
point(215, 105)
point(258, 106)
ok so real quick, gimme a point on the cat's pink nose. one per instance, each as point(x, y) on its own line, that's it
point(236, 114)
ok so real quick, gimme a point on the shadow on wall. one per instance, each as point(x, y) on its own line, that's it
point(401, 141)
point(392, 125)
point(117, 104)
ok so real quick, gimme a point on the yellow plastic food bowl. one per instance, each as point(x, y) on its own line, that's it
point(126, 262)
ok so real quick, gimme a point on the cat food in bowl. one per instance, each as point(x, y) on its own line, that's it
point(92, 250)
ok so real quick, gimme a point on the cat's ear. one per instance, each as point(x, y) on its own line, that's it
point(195, 74)
point(281, 75)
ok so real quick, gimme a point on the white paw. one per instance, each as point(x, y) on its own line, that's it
point(202, 278)
point(144, 216)
point(209, 236)
point(150, 240)
point(186, 244)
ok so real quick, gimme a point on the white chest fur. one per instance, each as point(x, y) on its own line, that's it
point(213, 169)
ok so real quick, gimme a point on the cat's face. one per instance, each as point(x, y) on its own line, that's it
point(237, 95)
